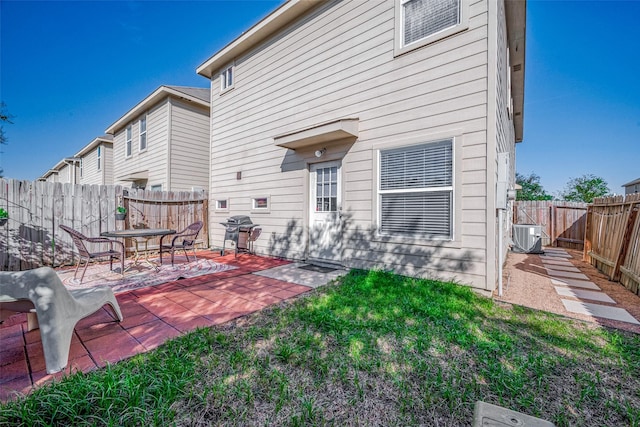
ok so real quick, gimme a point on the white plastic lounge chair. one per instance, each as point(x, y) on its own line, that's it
point(57, 308)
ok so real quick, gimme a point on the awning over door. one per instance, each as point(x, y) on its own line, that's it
point(326, 132)
point(135, 176)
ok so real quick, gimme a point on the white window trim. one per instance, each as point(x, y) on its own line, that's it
point(456, 241)
point(99, 155)
point(255, 209)
point(217, 205)
point(155, 187)
point(140, 133)
point(128, 136)
point(400, 48)
point(224, 87)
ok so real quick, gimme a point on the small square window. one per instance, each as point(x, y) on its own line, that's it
point(260, 204)
point(222, 204)
point(156, 187)
point(227, 78)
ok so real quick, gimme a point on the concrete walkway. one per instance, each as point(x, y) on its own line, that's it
point(152, 315)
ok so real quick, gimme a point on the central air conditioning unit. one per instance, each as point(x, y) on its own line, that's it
point(527, 238)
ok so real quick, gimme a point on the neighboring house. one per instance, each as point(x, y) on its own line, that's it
point(66, 171)
point(96, 162)
point(162, 143)
point(377, 134)
point(632, 187)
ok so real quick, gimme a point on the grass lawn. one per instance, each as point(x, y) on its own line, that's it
point(373, 349)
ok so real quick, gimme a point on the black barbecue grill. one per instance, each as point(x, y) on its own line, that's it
point(242, 232)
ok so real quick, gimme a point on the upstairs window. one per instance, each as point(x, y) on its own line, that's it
point(416, 190)
point(81, 167)
point(227, 78)
point(128, 142)
point(99, 158)
point(143, 133)
point(421, 22)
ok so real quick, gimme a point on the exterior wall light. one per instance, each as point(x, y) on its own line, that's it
point(319, 153)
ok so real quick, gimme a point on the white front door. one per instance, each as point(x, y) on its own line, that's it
point(325, 228)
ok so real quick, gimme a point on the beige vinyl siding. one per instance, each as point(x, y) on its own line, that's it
point(66, 174)
point(189, 146)
point(505, 131)
point(107, 164)
point(90, 173)
point(154, 158)
point(338, 62)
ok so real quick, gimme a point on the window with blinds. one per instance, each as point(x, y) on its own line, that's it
point(416, 190)
point(423, 18)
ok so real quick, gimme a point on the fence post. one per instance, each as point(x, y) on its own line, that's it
point(626, 238)
point(587, 235)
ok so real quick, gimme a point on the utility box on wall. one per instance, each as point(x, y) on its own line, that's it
point(527, 238)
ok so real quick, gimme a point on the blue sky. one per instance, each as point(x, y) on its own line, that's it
point(70, 69)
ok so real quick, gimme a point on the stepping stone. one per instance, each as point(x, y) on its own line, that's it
point(565, 274)
point(575, 284)
point(570, 268)
point(555, 261)
point(596, 310)
point(555, 250)
point(582, 294)
point(556, 255)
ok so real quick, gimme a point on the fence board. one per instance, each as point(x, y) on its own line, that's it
point(612, 239)
point(32, 237)
point(563, 223)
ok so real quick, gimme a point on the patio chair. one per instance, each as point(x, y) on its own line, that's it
point(57, 309)
point(185, 239)
point(79, 240)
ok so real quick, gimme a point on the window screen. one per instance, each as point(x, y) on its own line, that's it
point(416, 190)
point(422, 18)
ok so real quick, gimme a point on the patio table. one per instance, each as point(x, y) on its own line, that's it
point(137, 234)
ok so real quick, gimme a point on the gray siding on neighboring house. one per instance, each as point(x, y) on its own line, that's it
point(189, 150)
point(338, 62)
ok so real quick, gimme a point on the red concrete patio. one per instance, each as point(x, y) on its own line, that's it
point(152, 315)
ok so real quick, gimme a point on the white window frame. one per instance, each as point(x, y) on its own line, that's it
point(220, 202)
point(127, 142)
point(99, 156)
point(142, 133)
point(449, 188)
point(401, 47)
point(81, 167)
point(256, 209)
point(156, 187)
point(227, 78)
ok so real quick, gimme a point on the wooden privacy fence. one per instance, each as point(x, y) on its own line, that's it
point(612, 241)
point(31, 237)
point(563, 223)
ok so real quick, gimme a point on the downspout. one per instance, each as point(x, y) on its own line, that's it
point(169, 134)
